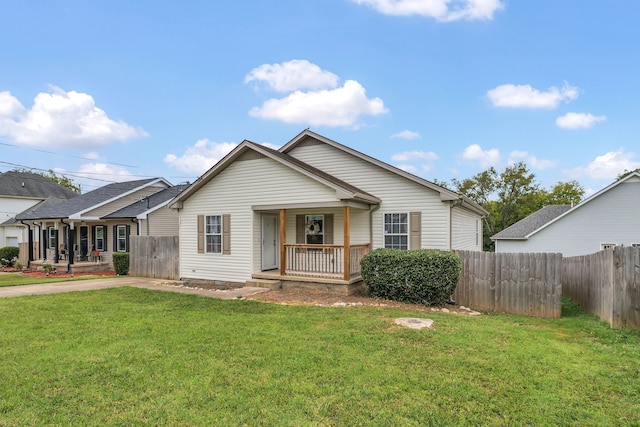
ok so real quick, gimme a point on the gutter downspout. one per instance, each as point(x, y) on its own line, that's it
point(372, 209)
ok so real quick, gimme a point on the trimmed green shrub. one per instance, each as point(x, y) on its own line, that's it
point(8, 255)
point(121, 263)
point(425, 276)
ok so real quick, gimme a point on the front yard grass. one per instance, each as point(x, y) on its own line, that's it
point(16, 279)
point(128, 356)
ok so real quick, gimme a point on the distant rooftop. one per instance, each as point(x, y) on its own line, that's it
point(528, 225)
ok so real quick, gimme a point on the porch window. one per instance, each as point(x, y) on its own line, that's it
point(213, 234)
point(121, 236)
point(314, 229)
point(396, 231)
point(52, 237)
point(99, 236)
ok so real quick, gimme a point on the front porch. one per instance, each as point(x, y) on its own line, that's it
point(77, 267)
point(303, 248)
point(329, 268)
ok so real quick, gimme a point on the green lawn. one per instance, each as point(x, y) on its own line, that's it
point(128, 356)
point(15, 279)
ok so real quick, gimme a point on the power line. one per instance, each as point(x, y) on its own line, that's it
point(59, 154)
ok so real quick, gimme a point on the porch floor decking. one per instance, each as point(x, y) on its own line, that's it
point(76, 267)
point(274, 280)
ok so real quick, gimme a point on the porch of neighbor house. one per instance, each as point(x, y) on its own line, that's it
point(326, 267)
point(88, 265)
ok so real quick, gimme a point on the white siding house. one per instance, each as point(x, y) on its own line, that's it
point(606, 219)
point(309, 212)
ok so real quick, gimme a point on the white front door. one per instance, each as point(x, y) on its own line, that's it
point(269, 241)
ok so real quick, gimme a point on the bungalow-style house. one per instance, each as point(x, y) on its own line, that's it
point(308, 213)
point(606, 219)
point(20, 191)
point(150, 214)
point(80, 230)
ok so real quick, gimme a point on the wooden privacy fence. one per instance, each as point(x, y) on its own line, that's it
point(154, 256)
point(606, 284)
point(529, 284)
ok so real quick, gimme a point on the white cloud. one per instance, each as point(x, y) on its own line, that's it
point(341, 106)
point(406, 134)
point(296, 74)
point(486, 158)
point(414, 155)
point(63, 119)
point(524, 96)
point(530, 160)
point(200, 157)
point(578, 120)
point(93, 175)
point(607, 166)
point(441, 10)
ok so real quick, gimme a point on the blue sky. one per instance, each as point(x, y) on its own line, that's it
point(108, 91)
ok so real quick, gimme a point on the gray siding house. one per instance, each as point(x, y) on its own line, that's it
point(91, 227)
point(610, 217)
point(308, 212)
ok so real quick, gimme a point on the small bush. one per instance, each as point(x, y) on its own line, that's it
point(9, 255)
point(425, 276)
point(47, 267)
point(121, 263)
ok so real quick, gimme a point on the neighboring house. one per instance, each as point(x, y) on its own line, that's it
point(310, 211)
point(18, 192)
point(77, 230)
point(151, 214)
point(606, 219)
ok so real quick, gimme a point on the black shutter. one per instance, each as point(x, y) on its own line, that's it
point(115, 238)
point(127, 232)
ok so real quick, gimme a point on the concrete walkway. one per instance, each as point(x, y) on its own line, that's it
point(114, 282)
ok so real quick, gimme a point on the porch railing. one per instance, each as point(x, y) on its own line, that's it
point(326, 261)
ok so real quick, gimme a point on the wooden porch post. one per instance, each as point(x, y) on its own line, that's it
point(283, 240)
point(347, 242)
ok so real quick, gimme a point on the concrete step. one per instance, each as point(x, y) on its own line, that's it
point(264, 283)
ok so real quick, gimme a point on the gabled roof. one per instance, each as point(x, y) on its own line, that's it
point(540, 219)
point(445, 194)
point(148, 204)
point(343, 189)
point(91, 200)
point(526, 226)
point(32, 186)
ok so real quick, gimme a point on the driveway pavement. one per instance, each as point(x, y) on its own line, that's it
point(114, 282)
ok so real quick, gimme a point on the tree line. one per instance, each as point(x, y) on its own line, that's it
point(514, 194)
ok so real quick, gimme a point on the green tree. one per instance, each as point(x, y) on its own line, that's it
point(565, 193)
point(512, 195)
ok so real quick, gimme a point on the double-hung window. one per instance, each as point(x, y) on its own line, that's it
point(213, 234)
point(52, 237)
point(396, 230)
point(121, 236)
point(99, 243)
